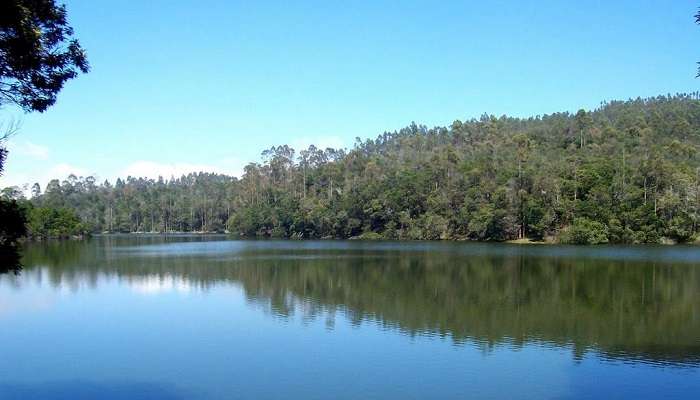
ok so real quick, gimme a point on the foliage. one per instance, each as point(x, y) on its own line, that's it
point(13, 226)
point(370, 236)
point(10, 259)
point(38, 54)
point(38, 51)
point(627, 172)
point(680, 229)
point(196, 202)
point(3, 156)
point(697, 21)
point(57, 223)
point(585, 231)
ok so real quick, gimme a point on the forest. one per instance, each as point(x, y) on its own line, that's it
point(626, 172)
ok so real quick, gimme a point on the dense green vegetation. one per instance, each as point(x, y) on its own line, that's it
point(23, 218)
point(627, 172)
point(38, 55)
point(13, 225)
point(45, 223)
point(196, 202)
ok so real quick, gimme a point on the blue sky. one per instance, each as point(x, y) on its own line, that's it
point(189, 85)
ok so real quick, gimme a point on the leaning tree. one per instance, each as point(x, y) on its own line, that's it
point(38, 54)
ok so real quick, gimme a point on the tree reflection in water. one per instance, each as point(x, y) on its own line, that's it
point(620, 308)
point(10, 260)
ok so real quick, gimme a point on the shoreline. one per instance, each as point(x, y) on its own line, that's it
point(550, 241)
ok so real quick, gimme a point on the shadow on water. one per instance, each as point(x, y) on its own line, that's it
point(78, 390)
point(644, 307)
point(10, 260)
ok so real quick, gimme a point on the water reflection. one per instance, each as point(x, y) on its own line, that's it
point(602, 300)
point(10, 260)
point(157, 284)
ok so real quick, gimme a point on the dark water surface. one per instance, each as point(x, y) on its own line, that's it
point(206, 318)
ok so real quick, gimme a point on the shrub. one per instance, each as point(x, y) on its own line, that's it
point(585, 231)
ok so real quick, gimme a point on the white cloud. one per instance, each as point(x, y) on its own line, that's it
point(155, 284)
point(28, 149)
point(62, 170)
point(153, 169)
point(36, 151)
point(25, 179)
point(15, 175)
point(321, 142)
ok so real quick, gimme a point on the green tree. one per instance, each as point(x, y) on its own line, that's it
point(627, 172)
point(39, 53)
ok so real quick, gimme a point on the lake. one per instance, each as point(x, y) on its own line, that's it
point(203, 317)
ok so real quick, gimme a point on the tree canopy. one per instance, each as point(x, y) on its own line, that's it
point(627, 172)
point(38, 53)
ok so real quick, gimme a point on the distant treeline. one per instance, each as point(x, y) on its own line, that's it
point(627, 172)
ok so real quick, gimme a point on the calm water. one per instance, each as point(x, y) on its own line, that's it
point(206, 318)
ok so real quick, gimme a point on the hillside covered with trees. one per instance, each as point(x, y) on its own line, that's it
point(627, 172)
